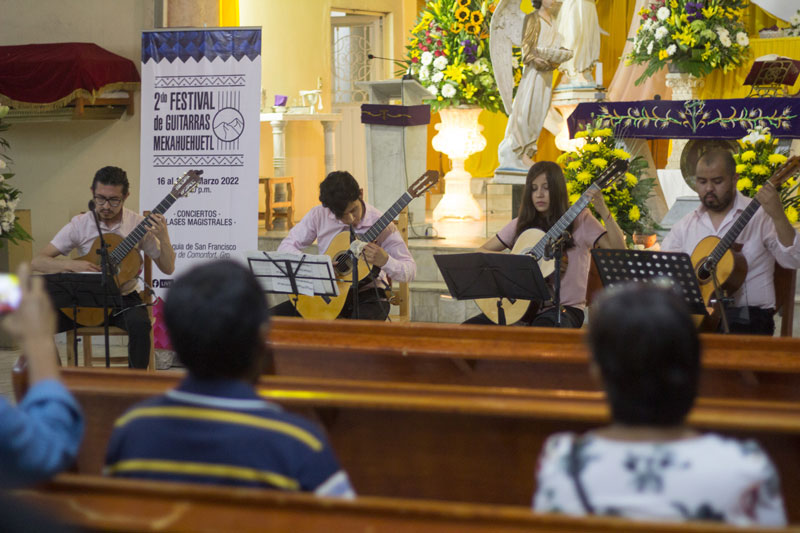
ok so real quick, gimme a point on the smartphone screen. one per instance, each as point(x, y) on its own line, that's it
point(10, 293)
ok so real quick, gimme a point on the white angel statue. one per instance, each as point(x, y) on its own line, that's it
point(578, 25)
point(541, 54)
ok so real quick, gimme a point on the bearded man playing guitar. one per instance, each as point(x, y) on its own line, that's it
point(343, 209)
point(110, 190)
point(766, 238)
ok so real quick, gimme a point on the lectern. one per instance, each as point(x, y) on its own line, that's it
point(395, 121)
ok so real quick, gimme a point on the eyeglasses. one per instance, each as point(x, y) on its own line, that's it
point(102, 200)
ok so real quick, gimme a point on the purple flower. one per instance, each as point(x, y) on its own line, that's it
point(470, 50)
point(694, 11)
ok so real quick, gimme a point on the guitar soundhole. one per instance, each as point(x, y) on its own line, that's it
point(342, 264)
point(703, 274)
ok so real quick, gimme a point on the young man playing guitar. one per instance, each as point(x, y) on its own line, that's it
point(766, 238)
point(110, 190)
point(343, 209)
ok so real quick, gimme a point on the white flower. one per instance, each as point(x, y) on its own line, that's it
point(663, 13)
point(661, 32)
point(650, 48)
point(433, 90)
point(2, 163)
point(424, 73)
point(742, 39)
point(795, 20)
point(671, 49)
point(427, 58)
point(448, 91)
point(725, 39)
point(437, 77)
point(3, 204)
point(721, 31)
point(440, 63)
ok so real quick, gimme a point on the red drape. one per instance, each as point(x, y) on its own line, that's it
point(49, 76)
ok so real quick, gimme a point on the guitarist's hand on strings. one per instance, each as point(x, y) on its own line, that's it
point(375, 255)
point(770, 201)
point(600, 204)
point(158, 226)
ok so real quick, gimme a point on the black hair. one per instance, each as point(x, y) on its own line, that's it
point(716, 155)
point(646, 345)
point(338, 190)
point(214, 314)
point(111, 176)
point(537, 4)
point(529, 217)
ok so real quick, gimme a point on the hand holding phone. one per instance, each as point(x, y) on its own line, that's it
point(10, 293)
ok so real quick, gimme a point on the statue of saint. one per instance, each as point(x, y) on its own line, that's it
point(580, 28)
point(541, 54)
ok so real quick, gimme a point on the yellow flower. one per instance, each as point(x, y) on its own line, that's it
point(605, 132)
point(563, 158)
point(455, 73)
point(634, 214)
point(599, 162)
point(570, 187)
point(662, 55)
point(584, 177)
point(631, 180)
point(476, 17)
point(591, 148)
point(581, 134)
point(469, 90)
point(791, 214)
point(740, 168)
point(573, 198)
point(517, 76)
point(748, 156)
point(744, 183)
point(474, 29)
point(462, 14)
point(574, 165)
point(464, 3)
point(619, 153)
point(776, 159)
point(761, 170)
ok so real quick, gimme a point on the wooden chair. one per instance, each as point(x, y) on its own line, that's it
point(269, 196)
point(785, 283)
point(87, 332)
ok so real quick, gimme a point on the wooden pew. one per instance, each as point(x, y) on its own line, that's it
point(476, 444)
point(119, 505)
point(735, 366)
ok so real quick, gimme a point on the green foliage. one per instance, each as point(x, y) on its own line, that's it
point(9, 196)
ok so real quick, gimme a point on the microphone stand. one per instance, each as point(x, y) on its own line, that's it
point(354, 288)
point(555, 250)
point(104, 270)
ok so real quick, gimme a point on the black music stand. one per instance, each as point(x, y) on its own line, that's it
point(617, 267)
point(485, 275)
point(286, 273)
point(83, 289)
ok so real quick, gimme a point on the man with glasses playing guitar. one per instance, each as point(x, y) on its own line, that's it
point(343, 213)
point(727, 220)
point(110, 190)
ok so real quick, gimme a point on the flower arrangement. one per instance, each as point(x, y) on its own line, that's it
point(9, 196)
point(794, 26)
point(758, 158)
point(627, 197)
point(448, 53)
point(695, 37)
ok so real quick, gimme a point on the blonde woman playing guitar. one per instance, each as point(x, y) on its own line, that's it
point(109, 191)
point(544, 201)
point(764, 235)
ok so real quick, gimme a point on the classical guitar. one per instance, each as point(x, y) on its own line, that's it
point(317, 307)
point(718, 256)
point(124, 265)
point(533, 242)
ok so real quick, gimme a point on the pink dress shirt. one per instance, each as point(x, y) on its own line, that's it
point(321, 225)
point(81, 232)
point(761, 249)
point(585, 232)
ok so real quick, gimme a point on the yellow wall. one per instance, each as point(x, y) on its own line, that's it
point(296, 37)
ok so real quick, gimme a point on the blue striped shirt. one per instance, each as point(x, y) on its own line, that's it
point(222, 432)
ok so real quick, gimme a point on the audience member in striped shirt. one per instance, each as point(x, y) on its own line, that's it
point(214, 427)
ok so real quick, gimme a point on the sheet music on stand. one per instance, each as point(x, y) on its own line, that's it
point(288, 273)
point(617, 267)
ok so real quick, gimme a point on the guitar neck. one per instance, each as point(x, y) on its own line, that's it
point(563, 223)
point(725, 243)
point(390, 214)
point(139, 231)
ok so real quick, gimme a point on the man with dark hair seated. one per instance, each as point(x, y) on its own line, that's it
point(343, 208)
point(648, 464)
point(215, 428)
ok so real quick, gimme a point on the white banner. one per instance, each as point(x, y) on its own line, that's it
point(200, 111)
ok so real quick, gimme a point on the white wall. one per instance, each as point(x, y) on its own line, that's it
point(55, 162)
